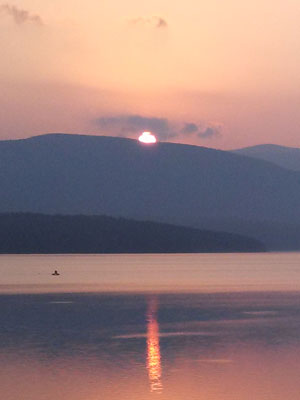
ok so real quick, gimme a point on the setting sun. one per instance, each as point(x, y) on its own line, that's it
point(147, 137)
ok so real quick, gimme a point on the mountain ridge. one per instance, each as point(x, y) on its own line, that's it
point(283, 156)
point(58, 234)
point(165, 182)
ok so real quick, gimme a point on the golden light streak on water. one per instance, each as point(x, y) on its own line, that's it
point(153, 348)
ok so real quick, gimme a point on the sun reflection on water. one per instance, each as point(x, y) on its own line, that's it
point(153, 348)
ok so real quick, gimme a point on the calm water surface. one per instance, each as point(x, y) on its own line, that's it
point(207, 327)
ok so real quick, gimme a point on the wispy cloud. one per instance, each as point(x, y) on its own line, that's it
point(156, 22)
point(164, 129)
point(19, 15)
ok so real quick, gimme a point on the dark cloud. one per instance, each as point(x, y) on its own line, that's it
point(19, 15)
point(209, 132)
point(206, 132)
point(123, 125)
point(189, 127)
point(156, 22)
point(126, 125)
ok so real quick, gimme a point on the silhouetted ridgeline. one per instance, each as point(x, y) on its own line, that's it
point(169, 183)
point(37, 233)
point(286, 157)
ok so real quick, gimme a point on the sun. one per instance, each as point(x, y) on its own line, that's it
point(148, 138)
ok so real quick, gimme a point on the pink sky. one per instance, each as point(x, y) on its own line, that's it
point(229, 68)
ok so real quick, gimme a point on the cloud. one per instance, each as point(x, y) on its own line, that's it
point(123, 125)
point(209, 133)
point(126, 125)
point(156, 22)
point(189, 127)
point(19, 15)
point(160, 22)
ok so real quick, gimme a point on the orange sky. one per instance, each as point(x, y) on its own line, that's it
point(230, 68)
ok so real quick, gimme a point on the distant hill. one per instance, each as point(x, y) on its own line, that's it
point(287, 157)
point(166, 182)
point(276, 236)
point(35, 233)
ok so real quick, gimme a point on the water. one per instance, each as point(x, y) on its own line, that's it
point(205, 327)
point(148, 273)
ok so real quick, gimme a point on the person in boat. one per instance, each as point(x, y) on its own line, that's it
point(55, 273)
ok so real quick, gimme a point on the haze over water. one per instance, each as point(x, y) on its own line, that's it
point(150, 326)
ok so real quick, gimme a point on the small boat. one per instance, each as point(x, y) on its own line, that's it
point(55, 273)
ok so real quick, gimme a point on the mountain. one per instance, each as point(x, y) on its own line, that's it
point(287, 157)
point(35, 233)
point(166, 182)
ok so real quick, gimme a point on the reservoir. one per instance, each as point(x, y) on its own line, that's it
point(114, 327)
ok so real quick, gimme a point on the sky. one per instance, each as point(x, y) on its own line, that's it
point(222, 74)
